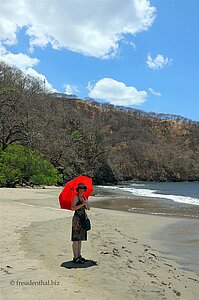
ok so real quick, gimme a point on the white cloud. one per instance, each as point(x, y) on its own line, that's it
point(155, 93)
point(25, 64)
point(2, 50)
point(70, 89)
point(20, 60)
point(47, 86)
point(116, 92)
point(159, 62)
point(93, 28)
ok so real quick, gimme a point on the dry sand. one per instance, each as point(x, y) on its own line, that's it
point(36, 253)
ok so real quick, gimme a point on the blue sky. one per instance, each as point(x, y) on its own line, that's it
point(142, 54)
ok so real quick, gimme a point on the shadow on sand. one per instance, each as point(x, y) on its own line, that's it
point(71, 265)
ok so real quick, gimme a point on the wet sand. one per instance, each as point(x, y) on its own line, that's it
point(181, 237)
point(125, 259)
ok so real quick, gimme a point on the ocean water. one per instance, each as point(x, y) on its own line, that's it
point(162, 198)
point(181, 192)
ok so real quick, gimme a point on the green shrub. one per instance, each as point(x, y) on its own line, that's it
point(19, 164)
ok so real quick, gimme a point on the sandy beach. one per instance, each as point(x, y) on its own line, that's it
point(125, 260)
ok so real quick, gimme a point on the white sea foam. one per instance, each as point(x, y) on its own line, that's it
point(154, 194)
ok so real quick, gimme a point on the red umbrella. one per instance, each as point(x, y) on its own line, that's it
point(69, 191)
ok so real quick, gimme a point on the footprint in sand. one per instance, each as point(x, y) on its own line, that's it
point(176, 292)
point(130, 264)
point(146, 245)
point(9, 267)
point(105, 252)
point(126, 250)
point(112, 243)
point(116, 252)
point(5, 271)
point(32, 268)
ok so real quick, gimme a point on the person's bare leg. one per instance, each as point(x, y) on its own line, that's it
point(79, 247)
point(75, 247)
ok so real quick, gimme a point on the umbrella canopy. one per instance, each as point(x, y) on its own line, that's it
point(69, 191)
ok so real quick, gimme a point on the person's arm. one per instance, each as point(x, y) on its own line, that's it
point(74, 201)
point(87, 205)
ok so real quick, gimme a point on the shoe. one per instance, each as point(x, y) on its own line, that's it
point(82, 258)
point(78, 260)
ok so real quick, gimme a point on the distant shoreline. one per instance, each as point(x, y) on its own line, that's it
point(103, 183)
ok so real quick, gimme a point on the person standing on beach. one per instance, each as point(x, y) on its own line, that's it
point(79, 234)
